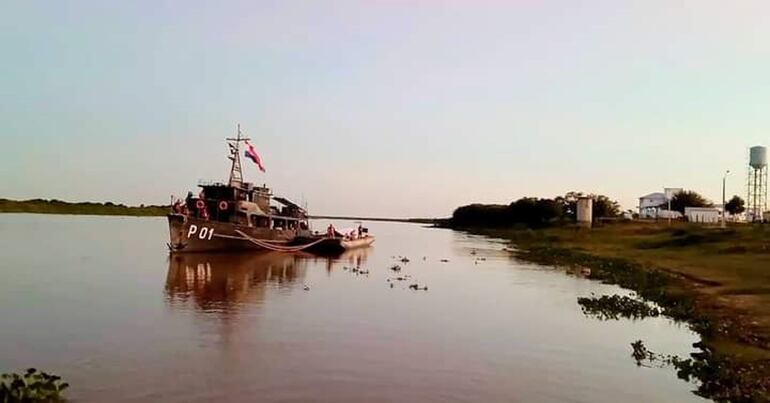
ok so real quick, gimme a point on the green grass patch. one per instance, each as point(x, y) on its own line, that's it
point(41, 206)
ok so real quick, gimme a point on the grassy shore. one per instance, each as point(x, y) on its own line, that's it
point(716, 280)
point(40, 206)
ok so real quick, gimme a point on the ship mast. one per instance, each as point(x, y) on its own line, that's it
point(236, 174)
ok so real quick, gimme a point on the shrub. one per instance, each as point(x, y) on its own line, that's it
point(32, 386)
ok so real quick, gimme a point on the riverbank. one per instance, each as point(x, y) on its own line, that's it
point(718, 281)
point(41, 206)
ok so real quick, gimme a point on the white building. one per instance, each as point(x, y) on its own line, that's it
point(705, 215)
point(654, 205)
point(650, 204)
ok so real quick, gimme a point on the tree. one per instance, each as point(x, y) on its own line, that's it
point(603, 206)
point(569, 204)
point(481, 215)
point(534, 212)
point(688, 198)
point(735, 206)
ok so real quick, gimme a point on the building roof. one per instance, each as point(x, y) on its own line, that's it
point(656, 195)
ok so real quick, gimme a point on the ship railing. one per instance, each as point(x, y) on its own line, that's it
point(208, 182)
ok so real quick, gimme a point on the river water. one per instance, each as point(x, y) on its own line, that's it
point(98, 301)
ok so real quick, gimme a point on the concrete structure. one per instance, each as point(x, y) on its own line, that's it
point(705, 215)
point(654, 205)
point(585, 211)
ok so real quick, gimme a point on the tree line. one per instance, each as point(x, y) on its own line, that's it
point(536, 212)
point(532, 212)
point(53, 206)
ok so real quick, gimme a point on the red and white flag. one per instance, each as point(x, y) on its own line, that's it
point(251, 154)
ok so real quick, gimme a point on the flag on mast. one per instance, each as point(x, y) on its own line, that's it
point(252, 155)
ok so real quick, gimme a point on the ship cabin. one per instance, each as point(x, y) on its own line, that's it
point(246, 205)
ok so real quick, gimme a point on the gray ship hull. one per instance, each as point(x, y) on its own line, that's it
point(191, 234)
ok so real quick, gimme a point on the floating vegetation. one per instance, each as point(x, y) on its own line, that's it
point(356, 270)
point(615, 307)
point(649, 284)
point(32, 386)
point(719, 378)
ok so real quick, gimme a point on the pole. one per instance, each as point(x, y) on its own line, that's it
point(724, 202)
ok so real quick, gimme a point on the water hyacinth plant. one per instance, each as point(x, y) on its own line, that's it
point(32, 386)
point(615, 307)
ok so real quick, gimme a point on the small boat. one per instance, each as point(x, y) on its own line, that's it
point(337, 241)
point(241, 216)
point(357, 243)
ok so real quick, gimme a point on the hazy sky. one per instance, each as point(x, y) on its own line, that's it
point(382, 108)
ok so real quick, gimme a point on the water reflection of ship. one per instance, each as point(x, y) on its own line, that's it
point(220, 282)
point(349, 258)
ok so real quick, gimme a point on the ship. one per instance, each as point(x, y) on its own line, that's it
point(239, 215)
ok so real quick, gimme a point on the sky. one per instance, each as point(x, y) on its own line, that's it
point(382, 108)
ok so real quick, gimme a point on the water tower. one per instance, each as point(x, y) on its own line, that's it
point(756, 203)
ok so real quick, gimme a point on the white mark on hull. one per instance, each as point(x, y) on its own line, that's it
point(205, 232)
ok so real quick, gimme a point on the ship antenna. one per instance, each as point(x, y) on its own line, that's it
point(236, 174)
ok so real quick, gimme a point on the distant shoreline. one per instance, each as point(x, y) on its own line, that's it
point(364, 219)
point(53, 206)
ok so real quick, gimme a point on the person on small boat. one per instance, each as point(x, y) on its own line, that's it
point(330, 231)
